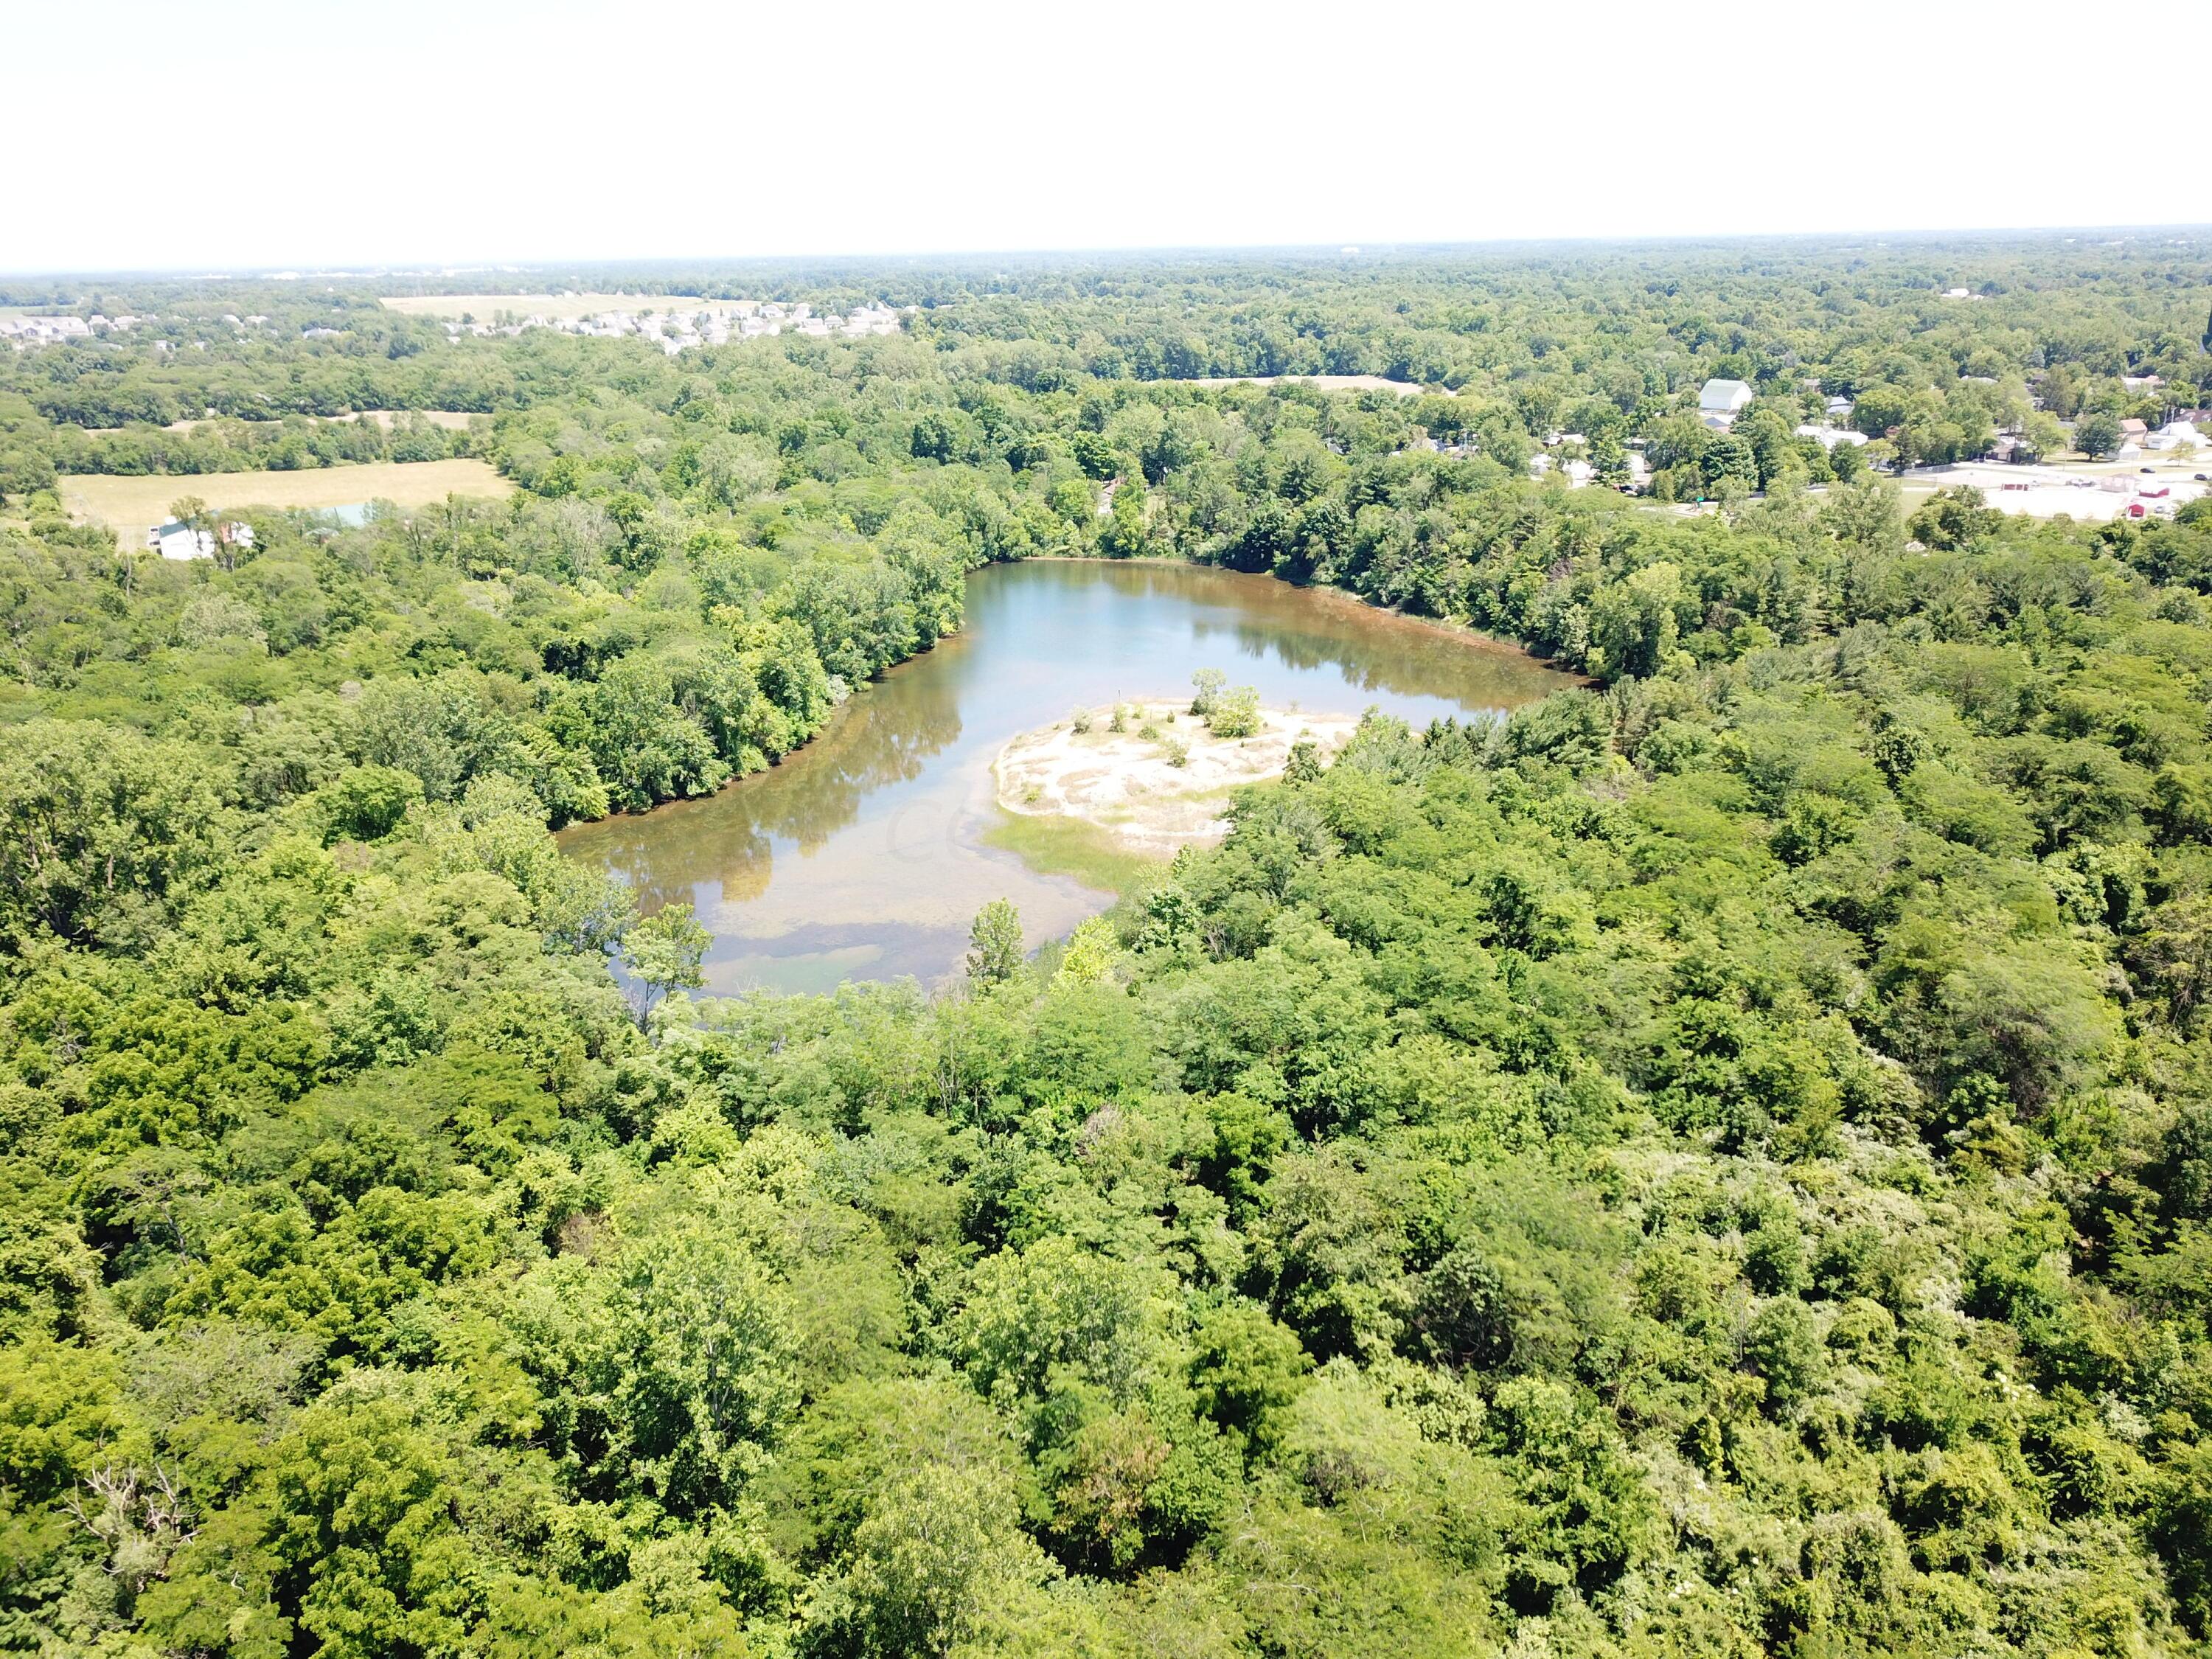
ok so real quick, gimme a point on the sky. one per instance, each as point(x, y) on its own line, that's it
point(242, 134)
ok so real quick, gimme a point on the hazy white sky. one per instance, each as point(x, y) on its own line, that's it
point(238, 134)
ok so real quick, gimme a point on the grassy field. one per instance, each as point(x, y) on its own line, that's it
point(553, 308)
point(130, 505)
point(1070, 846)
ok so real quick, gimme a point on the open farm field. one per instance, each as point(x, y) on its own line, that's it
point(132, 504)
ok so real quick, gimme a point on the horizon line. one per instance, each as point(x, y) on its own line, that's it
point(375, 270)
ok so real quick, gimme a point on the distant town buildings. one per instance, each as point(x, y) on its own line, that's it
point(684, 324)
point(40, 330)
point(20, 331)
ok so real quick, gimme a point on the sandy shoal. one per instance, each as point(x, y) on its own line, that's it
point(1128, 784)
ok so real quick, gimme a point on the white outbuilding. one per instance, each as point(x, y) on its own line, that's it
point(1719, 402)
point(178, 540)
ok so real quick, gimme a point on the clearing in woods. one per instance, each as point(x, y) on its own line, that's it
point(131, 504)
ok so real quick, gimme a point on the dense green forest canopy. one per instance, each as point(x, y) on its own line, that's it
point(1719, 1163)
point(1531, 339)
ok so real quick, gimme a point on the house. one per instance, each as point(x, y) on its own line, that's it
point(1830, 436)
point(2173, 435)
point(178, 540)
point(1839, 408)
point(2133, 431)
point(1958, 294)
point(2141, 382)
point(43, 331)
point(1720, 401)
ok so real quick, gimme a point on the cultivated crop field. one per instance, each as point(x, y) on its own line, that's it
point(130, 504)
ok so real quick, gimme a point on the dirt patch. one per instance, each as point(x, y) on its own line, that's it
point(1128, 784)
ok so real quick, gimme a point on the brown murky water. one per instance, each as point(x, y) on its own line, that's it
point(862, 856)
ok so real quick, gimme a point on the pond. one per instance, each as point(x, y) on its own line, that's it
point(864, 855)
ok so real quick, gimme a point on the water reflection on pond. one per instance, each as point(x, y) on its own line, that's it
point(862, 855)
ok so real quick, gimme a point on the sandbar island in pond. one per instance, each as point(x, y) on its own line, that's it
point(1157, 778)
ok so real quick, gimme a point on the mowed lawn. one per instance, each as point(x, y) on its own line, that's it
point(132, 504)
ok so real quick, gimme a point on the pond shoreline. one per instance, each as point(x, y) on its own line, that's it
point(1327, 593)
point(866, 853)
point(1465, 633)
